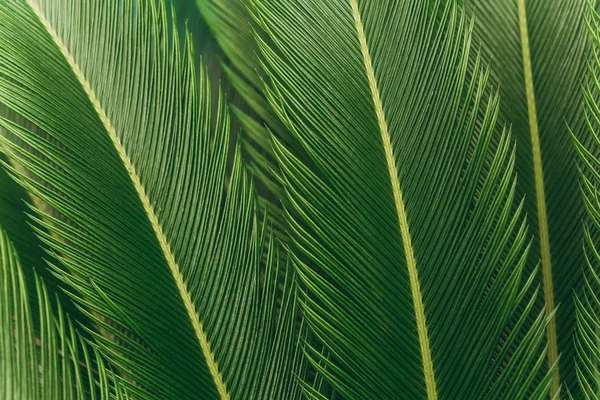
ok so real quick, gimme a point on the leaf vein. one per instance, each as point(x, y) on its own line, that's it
point(411, 262)
point(146, 203)
point(540, 197)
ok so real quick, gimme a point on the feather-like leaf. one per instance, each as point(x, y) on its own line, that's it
point(54, 362)
point(189, 21)
point(587, 144)
point(162, 241)
point(538, 51)
point(13, 218)
point(409, 250)
point(14, 207)
point(234, 30)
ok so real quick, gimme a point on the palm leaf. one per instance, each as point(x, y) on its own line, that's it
point(52, 363)
point(15, 204)
point(406, 241)
point(538, 50)
point(162, 239)
point(234, 30)
point(189, 21)
point(587, 145)
point(13, 217)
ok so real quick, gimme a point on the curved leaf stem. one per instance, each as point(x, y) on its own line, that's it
point(148, 208)
point(540, 198)
point(411, 262)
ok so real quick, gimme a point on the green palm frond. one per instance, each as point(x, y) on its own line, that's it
point(52, 363)
point(234, 30)
point(587, 144)
point(15, 204)
point(188, 20)
point(406, 242)
point(232, 26)
point(162, 246)
point(538, 51)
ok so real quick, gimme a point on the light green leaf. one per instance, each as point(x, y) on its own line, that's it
point(406, 238)
point(537, 49)
point(52, 363)
point(163, 248)
point(15, 204)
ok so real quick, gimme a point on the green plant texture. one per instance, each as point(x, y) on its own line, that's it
point(299, 199)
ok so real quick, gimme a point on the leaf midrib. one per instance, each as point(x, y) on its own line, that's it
point(147, 205)
point(411, 262)
point(540, 197)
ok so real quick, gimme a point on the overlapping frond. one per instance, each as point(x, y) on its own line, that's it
point(234, 30)
point(406, 239)
point(537, 49)
point(188, 20)
point(52, 363)
point(587, 144)
point(15, 206)
point(13, 217)
point(14, 203)
point(162, 247)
